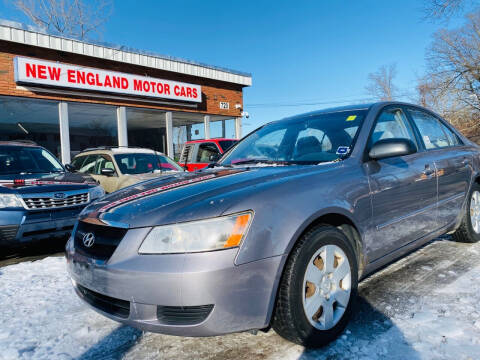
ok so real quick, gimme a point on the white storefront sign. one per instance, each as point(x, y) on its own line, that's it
point(49, 73)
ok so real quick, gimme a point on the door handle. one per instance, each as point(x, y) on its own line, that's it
point(465, 162)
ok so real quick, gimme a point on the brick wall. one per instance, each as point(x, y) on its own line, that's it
point(212, 91)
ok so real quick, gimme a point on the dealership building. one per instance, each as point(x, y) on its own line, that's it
point(68, 95)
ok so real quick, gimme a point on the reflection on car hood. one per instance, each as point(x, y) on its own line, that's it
point(45, 182)
point(148, 176)
point(188, 196)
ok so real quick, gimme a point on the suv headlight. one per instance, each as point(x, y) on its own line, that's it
point(196, 236)
point(9, 201)
point(96, 192)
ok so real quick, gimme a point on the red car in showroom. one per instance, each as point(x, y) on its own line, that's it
point(197, 154)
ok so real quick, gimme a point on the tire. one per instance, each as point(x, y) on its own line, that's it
point(466, 232)
point(296, 294)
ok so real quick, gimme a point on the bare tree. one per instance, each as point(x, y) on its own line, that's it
point(445, 9)
point(76, 18)
point(453, 63)
point(380, 83)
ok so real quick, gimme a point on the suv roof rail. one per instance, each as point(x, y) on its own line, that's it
point(108, 147)
point(24, 141)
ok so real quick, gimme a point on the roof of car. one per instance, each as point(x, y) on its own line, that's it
point(20, 143)
point(209, 140)
point(353, 107)
point(119, 150)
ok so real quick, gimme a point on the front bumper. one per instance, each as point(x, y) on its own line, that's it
point(23, 226)
point(242, 296)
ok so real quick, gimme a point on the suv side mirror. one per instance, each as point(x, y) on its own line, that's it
point(391, 147)
point(70, 168)
point(214, 157)
point(107, 172)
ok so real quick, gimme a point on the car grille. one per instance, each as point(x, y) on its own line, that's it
point(8, 233)
point(106, 240)
point(117, 307)
point(183, 315)
point(50, 202)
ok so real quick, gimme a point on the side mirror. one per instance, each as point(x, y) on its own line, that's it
point(391, 147)
point(214, 157)
point(107, 172)
point(70, 168)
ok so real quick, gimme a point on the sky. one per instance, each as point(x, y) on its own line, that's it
point(303, 55)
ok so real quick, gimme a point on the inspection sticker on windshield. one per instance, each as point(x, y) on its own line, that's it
point(351, 117)
point(342, 150)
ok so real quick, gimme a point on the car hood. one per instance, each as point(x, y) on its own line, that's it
point(47, 182)
point(189, 196)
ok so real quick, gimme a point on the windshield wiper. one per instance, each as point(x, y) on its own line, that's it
point(261, 161)
point(215, 164)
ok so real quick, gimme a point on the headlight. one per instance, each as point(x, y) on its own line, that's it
point(96, 193)
point(9, 201)
point(205, 235)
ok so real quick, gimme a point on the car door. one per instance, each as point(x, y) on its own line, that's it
point(109, 183)
point(452, 162)
point(403, 188)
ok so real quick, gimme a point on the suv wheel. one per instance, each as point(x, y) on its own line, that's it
point(469, 230)
point(317, 289)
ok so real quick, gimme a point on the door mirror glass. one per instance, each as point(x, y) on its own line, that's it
point(107, 172)
point(391, 147)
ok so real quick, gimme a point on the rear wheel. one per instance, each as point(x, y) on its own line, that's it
point(469, 230)
point(317, 289)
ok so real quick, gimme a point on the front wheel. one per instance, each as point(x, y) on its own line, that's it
point(469, 230)
point(317, 289)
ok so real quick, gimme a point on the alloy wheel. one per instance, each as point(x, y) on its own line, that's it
point(475, 211)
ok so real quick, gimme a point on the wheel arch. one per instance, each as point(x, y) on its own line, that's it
point(337, 217)
point(342, 220)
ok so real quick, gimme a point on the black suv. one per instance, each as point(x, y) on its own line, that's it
point(39, 198)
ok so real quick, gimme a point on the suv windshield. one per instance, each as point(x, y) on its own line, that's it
point(139, 163)
point(309, 140)
point(27, 160)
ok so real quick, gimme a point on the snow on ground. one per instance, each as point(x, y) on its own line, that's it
point(426, 306)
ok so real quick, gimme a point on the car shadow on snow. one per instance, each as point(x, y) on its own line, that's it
point(114, 345)
point(370, 335)
point(397, 290)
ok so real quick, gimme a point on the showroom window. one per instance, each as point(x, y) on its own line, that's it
point(27, 119)
point(147, 129)
point(222, 129)
point(91, 126)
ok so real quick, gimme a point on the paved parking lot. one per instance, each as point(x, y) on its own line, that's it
point(426, 306)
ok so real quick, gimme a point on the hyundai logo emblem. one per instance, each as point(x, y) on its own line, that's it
point(59, 196)
point(88, 239)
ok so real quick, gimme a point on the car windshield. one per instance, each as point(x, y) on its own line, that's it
point(140, 163)
point(309, 140)
point(27, 160)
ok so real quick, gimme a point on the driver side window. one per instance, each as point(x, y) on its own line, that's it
point(103, 161)
point(391, 124)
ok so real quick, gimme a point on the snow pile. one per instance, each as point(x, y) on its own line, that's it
point(426, 306)
point(42, 318)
